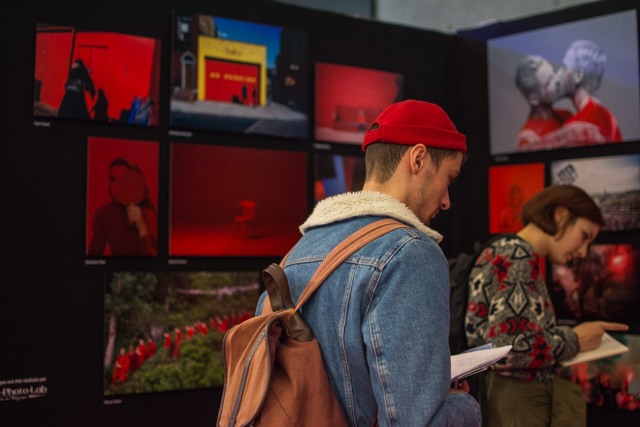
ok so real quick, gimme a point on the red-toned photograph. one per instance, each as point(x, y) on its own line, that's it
point(229, 201)
point(96, 75)
point(607, 289)
point(122, 197)
point(348, 100)
point(509, 188)
point(612, 382)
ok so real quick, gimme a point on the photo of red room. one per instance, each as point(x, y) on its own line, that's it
point(348, 100)
point(509, 188)
point(228, 201)
point(96, 75)
point(122, 197)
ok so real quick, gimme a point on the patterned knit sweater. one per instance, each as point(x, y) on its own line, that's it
point(509, 305)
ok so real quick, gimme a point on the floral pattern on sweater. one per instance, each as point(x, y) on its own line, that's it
point(509, 305)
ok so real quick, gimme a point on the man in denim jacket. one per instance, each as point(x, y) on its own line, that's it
point(382, 317)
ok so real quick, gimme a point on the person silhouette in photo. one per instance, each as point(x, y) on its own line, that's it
point(151, 347)
point(167, 345)
point(134, 362)
point(580, 78)
point(142, 352)
point(121, 370)
point(511, 215)
point(176, 347)
point(129, 229)
point(538, 82)
point(361, 121)
point(73, 104)
point(254, 95)
point(245, 91)
point(100, 108)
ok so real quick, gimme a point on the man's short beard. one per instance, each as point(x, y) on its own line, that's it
point(422, 197)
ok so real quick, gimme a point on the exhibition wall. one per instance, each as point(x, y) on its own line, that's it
point(158, 156)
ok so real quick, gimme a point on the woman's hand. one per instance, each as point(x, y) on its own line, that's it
point(590, 333)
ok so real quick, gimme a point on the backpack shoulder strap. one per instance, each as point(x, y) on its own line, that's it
point(344, 250)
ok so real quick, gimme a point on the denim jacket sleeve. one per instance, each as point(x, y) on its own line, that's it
point(406, 334)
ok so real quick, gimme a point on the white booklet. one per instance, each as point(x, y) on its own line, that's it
point(608, 347)
point(476, 360)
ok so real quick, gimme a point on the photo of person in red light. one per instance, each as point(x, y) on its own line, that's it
point(126, 224)
point(607, 287)
point(96, 75)
point(509, 188)
point(230, 201)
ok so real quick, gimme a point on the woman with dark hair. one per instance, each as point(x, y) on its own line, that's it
point(130, 229)
point(509, 305)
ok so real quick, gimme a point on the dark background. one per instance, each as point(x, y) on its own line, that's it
point(51, 302)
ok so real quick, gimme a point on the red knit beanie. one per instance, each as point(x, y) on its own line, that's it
point(414, 122)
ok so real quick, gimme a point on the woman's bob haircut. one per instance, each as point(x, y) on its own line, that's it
point(540, 209)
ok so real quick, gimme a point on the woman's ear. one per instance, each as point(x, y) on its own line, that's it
point(561, 215)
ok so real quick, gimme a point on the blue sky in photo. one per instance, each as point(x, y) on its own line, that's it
point(250, 32)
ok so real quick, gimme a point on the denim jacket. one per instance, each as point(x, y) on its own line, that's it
point(381, 318)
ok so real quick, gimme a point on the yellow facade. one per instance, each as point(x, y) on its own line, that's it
point(229, 50)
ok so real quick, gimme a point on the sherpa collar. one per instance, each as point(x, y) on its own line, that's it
point(364, 203)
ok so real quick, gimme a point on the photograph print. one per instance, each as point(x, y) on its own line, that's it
point(606, 287)
point(509, 188)
point(569, 85)
point(613, 182)
point(232, 201)
point(337, 174)
point(349, 99)
point(96, 75)
point(239, 76)
point(613, 382)
point(122, 197)
point(164, 330)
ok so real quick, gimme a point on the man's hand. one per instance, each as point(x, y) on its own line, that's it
point(463, 387)
point(590, 333)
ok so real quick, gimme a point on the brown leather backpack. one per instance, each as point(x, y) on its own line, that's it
point(274, 375)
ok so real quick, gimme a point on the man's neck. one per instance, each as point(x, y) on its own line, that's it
point(389, 187)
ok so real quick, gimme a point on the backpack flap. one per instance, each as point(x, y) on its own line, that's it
point(300, 393)
point(248, 367)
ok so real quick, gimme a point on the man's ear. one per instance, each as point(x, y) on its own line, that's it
point(418, 158)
